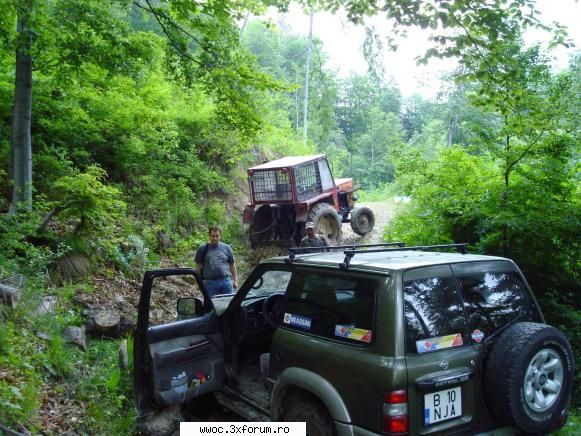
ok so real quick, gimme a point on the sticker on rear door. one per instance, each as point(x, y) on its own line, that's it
point(439, 343)
point(477, 336)
point(297, 321)
point(352, 332)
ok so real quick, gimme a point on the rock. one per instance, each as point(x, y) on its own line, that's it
point(42, 336)
point(10, 294)
point(106, 323)
point(78, 299)
point(76, 335)
point(164, 241)
point(126, 325)
point(48, 305)
point(90, 326)
point(119, 301)
point(123, 356)
point(163, 423)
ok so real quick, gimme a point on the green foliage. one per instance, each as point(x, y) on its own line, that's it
point(447, 195)
point(284, 56)
point(131, 256)
point(19, 252)
point(382, 193)
point(573, 426)
point(57, 359)
point(84, 196)
point(562, 310)
point(20, 382)
point(107, 390)
point(372, 165)
point(214, 212)
point(234, 232)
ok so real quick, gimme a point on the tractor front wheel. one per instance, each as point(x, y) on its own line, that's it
point(362, 220)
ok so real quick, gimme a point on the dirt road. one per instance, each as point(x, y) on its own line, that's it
point(383, 211)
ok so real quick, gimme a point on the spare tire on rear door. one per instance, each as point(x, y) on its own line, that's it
point(528, 377)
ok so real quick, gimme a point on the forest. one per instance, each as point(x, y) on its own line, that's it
point(126, 128)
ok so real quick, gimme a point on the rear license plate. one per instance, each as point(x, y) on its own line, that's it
point(442, 405)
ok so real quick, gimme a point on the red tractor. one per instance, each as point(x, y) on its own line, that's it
point(286, 193)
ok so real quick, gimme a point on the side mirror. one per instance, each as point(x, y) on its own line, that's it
point(191, 306)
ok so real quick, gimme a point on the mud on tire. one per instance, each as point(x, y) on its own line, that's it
point(314, 413)
point(528, 377)
point(327, 222)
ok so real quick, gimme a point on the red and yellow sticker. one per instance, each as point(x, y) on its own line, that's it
point(439, 342)
point(350, 332)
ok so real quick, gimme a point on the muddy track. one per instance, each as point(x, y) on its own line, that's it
point(383, 211)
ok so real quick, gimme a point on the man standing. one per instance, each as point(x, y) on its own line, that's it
point(312, 239)
point(215, 261)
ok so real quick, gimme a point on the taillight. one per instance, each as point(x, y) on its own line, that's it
point(395, 412)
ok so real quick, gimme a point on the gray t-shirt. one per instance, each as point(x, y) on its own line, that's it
point(216, 262)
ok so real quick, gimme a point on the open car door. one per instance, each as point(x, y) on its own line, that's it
point(178, 345)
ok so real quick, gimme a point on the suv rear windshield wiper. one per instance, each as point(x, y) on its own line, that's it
point(493, 335)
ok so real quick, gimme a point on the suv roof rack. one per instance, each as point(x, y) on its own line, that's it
point(349, 253)
point(306, 250)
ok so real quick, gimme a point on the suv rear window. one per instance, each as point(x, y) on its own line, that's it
point(334, 306)
point(493, 298)
point(433, 310)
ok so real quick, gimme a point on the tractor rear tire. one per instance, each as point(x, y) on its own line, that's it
point(327, 222)
point(362, 220)
point(261, 228)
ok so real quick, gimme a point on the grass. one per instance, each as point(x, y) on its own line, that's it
point(20, 380)
point(573, 426)
point(107, 390)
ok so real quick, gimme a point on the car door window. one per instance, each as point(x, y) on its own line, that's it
point(433, 311)
point(270, 282)
point(492, 298)
point(165, 293)
point(332, 305)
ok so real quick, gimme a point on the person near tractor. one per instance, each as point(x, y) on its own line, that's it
point(312, 239)
point(215, 262)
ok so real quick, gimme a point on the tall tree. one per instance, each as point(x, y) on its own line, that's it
point(204, 36)
point(21, 162)
point(307, 79)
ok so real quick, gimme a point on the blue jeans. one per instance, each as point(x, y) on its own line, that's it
point(219, 286)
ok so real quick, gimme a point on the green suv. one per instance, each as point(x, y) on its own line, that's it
point(359, 340)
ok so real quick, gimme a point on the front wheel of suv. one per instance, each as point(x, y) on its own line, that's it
point(528, 377)
point(314, 413)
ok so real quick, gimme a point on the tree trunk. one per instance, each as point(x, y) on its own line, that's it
point(452, 129)
point(505, 197)
point(297, 105)
point(244, 24)
point(307, 73)
point(21, 153)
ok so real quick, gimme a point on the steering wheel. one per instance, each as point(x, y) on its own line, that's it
point(272, 309)
point(258, 283)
